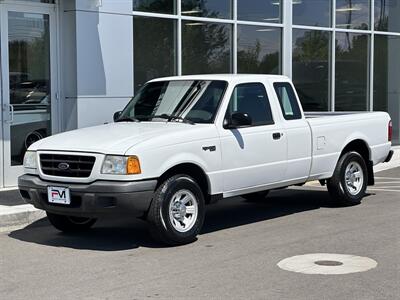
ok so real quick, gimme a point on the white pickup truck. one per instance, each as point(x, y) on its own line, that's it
point(184, 142)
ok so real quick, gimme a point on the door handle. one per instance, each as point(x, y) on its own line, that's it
point(11, 114)
point(8, 109)
point(277, 135)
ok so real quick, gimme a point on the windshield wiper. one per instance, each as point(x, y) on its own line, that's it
point(173, 117)
point(127, 119)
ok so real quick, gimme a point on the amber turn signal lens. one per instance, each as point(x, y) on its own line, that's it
point(133, 165)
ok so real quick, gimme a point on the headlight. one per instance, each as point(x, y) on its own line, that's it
point(121, 165)
point(30, 160)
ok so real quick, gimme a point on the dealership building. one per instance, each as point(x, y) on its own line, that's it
point(67, 64)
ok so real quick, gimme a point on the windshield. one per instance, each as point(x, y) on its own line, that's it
point(194, 101)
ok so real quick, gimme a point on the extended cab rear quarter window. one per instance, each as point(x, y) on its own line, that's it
point(287, 100)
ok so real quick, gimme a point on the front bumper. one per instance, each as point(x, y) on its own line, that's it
point(91, 200)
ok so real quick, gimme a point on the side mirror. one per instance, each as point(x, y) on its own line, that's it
point(237, 120)
point(117, 114)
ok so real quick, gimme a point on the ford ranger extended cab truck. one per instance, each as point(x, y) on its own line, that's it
point(184, 142)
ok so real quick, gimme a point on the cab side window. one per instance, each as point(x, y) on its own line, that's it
point(251, 99)
point(287, 100)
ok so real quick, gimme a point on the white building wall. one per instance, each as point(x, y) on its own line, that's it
point(98, 70)
point(68, 109)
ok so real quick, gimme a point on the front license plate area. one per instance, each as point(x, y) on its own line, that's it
point(58, 195)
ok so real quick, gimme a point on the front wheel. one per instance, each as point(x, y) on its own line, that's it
point(69, 223)
point(177, 211)
point(349, 181)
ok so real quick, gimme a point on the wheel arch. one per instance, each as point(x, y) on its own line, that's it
point(361, 147)
point(194, 171)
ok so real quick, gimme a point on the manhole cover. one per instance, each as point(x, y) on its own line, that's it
point(327, 263)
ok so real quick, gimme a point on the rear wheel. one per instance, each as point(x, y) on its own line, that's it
point(177, 211)
point(256, 197)
point(69, 223)
point(349, 181)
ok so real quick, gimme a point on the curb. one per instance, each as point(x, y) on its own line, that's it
point(18, 216)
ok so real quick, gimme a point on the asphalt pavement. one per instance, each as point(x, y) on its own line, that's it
point(235, 257)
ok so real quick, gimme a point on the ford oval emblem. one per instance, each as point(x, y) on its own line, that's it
point(63, 166)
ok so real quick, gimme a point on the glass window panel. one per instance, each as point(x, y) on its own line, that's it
point(259, 49)
point(386, 79)
point(206, 47)
point(259, 10)
point(288, 101)
point(351, 71)
point(209, 9)
point(387, 14)
point(312, 12)
point(39, 1)
point(154, 49)
point(311, 68)
point(29, 75)
point(155, 6)
point(251, 99)
point(353, 14)
point(194, 100)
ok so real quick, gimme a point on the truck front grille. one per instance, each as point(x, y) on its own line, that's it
point(67, 165)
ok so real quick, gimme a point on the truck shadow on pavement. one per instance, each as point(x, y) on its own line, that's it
point(125, 234)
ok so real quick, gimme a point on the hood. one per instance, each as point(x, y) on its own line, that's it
point(112, 138)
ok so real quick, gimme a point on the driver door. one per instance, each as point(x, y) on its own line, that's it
point(254, 156)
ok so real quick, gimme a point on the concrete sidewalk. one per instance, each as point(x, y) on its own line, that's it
point(14, 213)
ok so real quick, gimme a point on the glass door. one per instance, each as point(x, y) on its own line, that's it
point(29, 81)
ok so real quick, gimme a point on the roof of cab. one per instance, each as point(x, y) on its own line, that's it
point(225, 77)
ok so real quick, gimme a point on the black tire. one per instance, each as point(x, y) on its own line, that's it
point(160, 223)
point(69, 223)
point(256, 197)
point(337, 187)
point(34, 136)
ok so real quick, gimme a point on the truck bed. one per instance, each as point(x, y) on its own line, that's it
point(332, 131)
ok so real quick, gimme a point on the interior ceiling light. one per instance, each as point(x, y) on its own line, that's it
point(356, 7)
point(195, 24)
point(194, 11)
point(294, 2)
point(265, 30)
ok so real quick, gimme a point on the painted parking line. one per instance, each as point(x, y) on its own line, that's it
point(312, 183)
point(383, 190)
point(376, 188)
point(382, 184)
point(387, 186)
